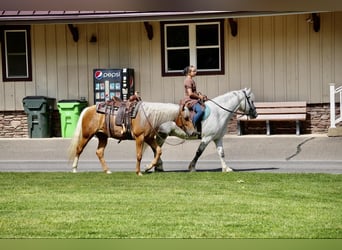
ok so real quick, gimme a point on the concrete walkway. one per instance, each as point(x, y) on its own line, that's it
point(275, 153)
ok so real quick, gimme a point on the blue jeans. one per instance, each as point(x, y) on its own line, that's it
point(199, 112)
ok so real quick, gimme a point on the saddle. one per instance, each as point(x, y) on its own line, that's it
point(124, 112)
point(183, 104)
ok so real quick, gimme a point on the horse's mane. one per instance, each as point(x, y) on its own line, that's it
point(227, 97)
point(158, 113)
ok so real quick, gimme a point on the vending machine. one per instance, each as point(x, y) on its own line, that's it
point(113, 82)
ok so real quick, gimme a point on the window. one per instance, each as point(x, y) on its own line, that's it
point(16, 53)
point(194, 43)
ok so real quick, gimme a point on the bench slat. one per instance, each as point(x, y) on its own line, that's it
point(281, 110)
point(279, 104)
point(275, 117)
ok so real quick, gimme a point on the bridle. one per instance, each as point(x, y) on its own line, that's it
point(247, 100)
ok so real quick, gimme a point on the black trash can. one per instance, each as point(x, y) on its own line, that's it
point(39, 110)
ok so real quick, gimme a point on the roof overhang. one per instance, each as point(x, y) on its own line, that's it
point(39, 17)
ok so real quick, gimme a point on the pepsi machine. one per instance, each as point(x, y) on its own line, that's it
point(113, 82)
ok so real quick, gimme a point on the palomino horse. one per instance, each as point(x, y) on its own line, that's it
point(150, 116)
point(219, 111)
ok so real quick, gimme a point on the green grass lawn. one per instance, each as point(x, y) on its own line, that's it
point(170, 205)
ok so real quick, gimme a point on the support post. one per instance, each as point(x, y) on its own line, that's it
point(268, 129)
point(332, 105)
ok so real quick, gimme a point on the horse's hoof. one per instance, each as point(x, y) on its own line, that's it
point(148, 168)
point(158, 169)
point(108, 172)
point(139, 174)
point(192, 169)
point(227, 170)
point(74, 170)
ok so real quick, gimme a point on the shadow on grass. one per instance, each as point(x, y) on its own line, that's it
point(219, 170)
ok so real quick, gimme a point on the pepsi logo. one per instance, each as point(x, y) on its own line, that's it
point(98, 75)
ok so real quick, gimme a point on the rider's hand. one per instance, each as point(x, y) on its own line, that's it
point(203, 97)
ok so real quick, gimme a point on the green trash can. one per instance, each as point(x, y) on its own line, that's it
point(70, 111)
point(39, 110)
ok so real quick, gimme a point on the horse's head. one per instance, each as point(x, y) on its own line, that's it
point(184, 122)
point(247, 104)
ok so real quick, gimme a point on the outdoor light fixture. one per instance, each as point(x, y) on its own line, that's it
point(93, 39)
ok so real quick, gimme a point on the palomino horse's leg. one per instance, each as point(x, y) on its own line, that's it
point(103, 139)
point(158, 167)
point(199, 152)
point(139, 144)
point(79, 149)
point(157, 153)
point(220, 151)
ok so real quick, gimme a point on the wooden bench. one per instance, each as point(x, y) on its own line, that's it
point(277, 111)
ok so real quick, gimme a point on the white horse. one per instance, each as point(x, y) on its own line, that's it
point(219, 111)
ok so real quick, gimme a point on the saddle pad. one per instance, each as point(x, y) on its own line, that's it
point(206, 113)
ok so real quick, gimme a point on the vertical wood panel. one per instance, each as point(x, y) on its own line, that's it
point(338, 47)
point(169, 86)
point(327, 55)
point(9, 97)
point(62, 72)
point(245, 60)
point(83, 79)
point(232, 57)
point(51, 62)
point(40, 59)
point(315, 66)
point(114, 45)
point(72, 79)
point(103, 44)
point(135, 49)
point(2, 90)
point(303, 59)
point(124, 45)
point(279, 68)
point(291, 58)
point(19, 91)
point(93, 63)
point(156, 94)
point(256, 82)
point(145, 80)
point(211, 87)
point(268, 59)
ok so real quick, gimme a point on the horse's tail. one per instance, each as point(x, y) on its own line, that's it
point(76, 138)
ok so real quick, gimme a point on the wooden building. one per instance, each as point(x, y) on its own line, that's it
point(281, 56)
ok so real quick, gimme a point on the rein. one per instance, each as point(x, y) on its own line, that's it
point(225, 109)
point(235, 112)
point(228, 110)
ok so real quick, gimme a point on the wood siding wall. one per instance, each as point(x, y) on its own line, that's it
point(281, 58)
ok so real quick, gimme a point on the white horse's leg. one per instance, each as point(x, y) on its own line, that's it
point(159, 166)
point(164, 130)
point(220, 151)
point(74, 164)
point(200, 149)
